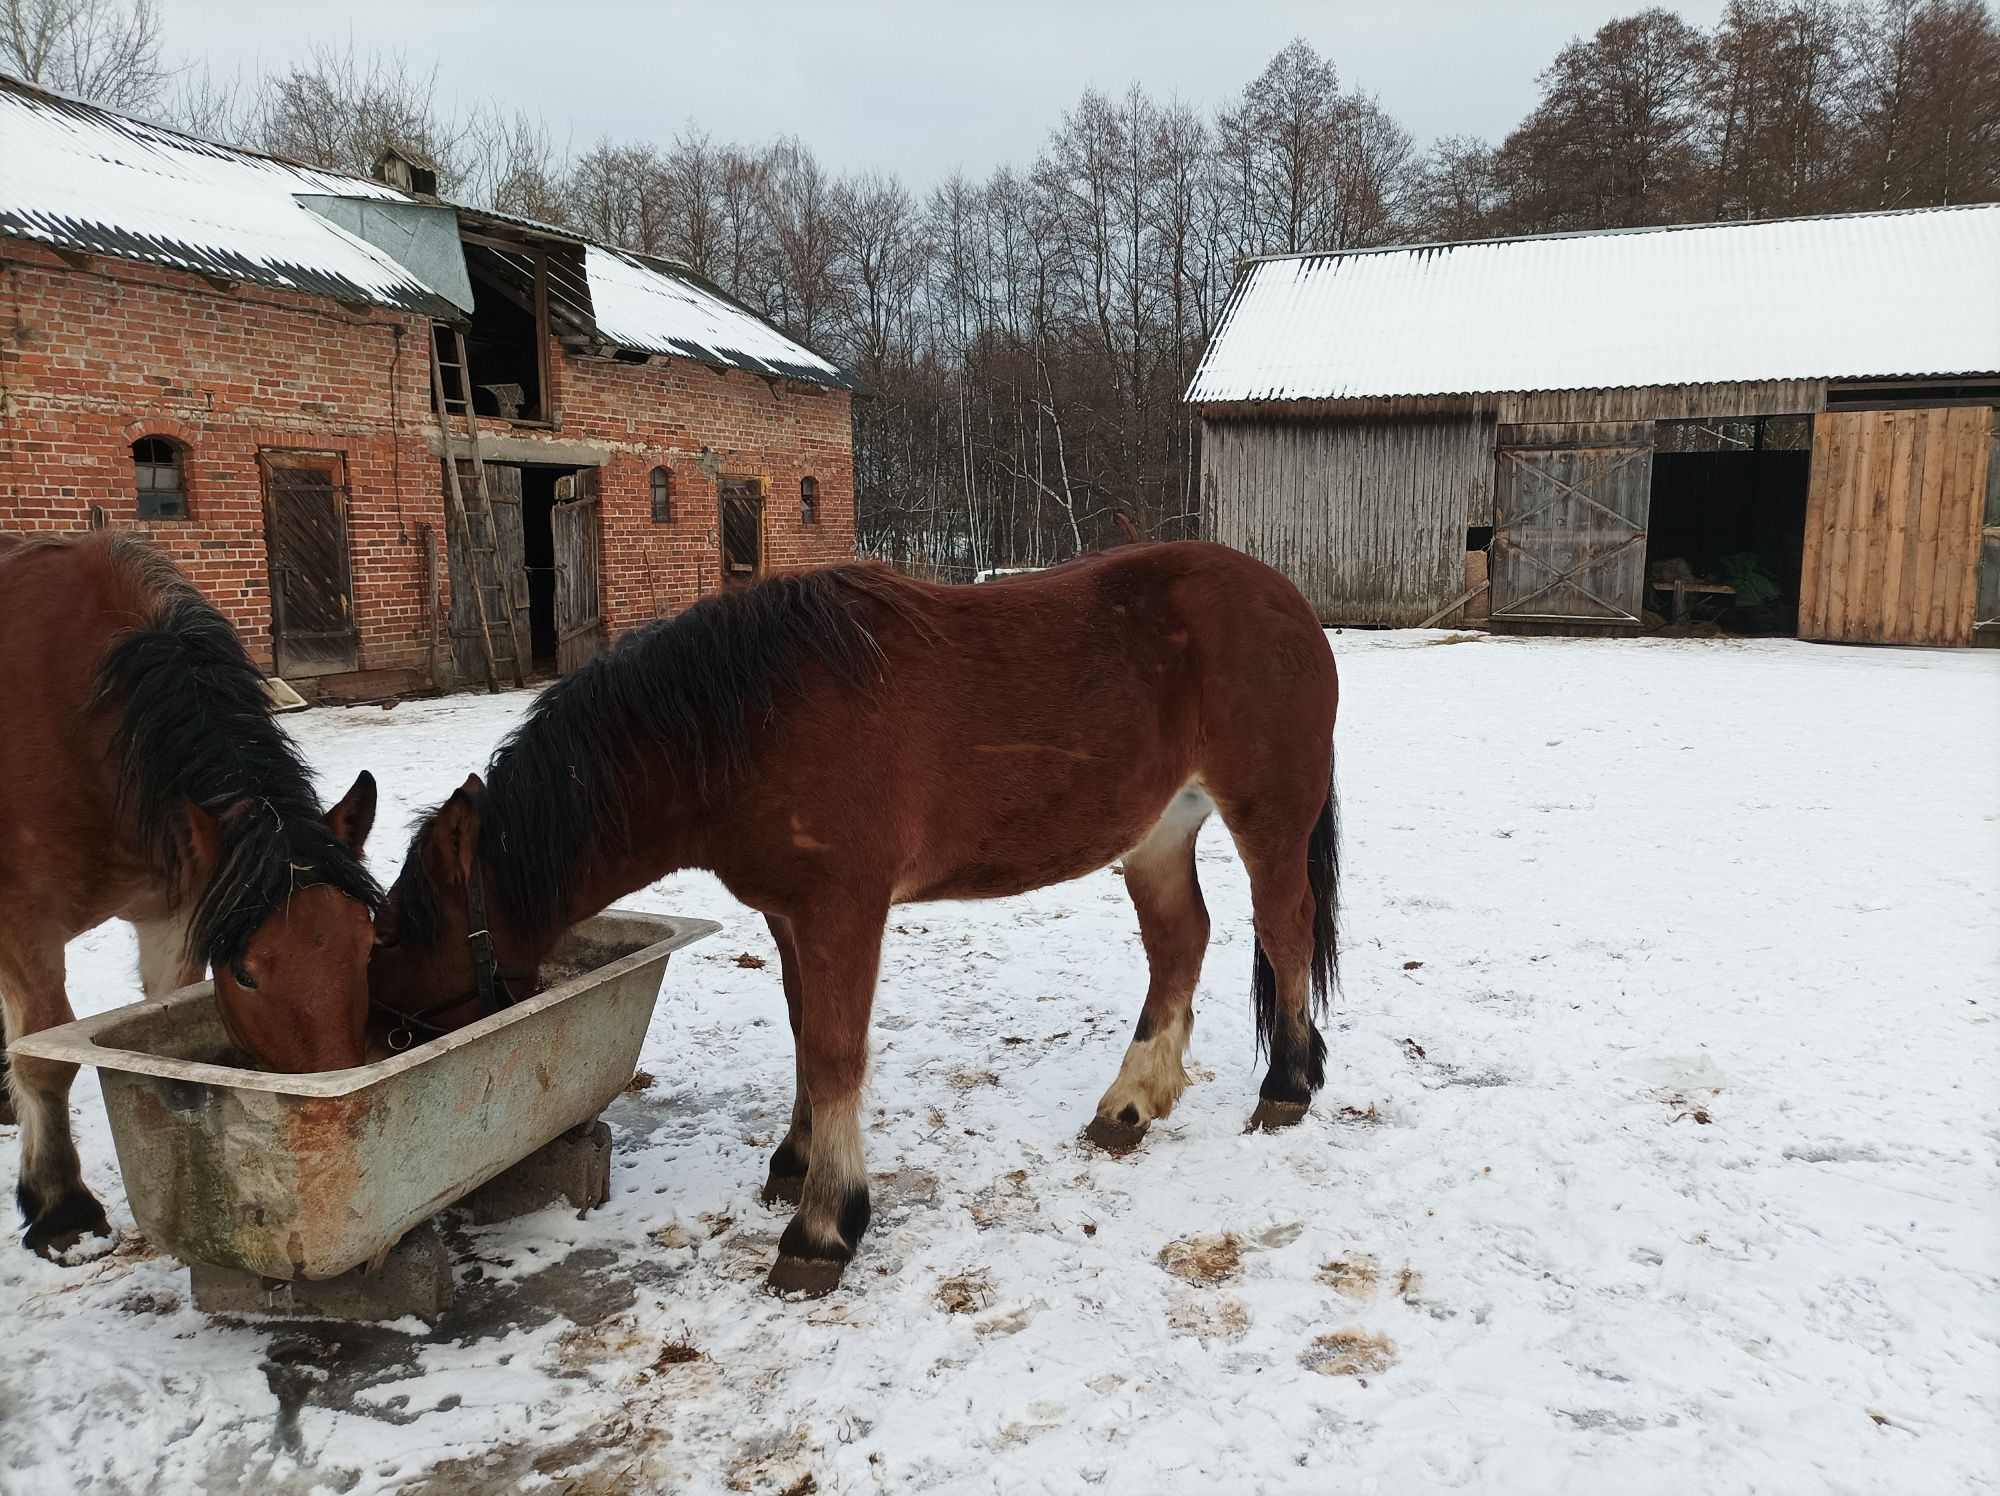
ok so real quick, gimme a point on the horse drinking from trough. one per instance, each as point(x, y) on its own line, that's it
point(143, 777)
point(833, 743)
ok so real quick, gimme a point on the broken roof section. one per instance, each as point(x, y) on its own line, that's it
point(656, 307)
point(1875, 295)
point(82, 179)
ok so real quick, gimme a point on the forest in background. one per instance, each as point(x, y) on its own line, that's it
point(1025, 338)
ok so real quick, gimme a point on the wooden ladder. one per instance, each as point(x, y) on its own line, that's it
point(489, 592)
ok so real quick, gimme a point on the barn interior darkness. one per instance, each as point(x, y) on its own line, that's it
point(506, 338)
point(1729, 508)
point(538, 558)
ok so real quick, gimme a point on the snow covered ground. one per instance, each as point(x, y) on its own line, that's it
point(1658, 1153)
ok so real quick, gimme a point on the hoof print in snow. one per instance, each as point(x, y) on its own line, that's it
point(1208, 1259)
point(1353, 1352)
point(1207, 1316)
point(1353, 1277)
point(965, 1293)
point(1276, 1116)
point(804, 1277)
point(1006, 1202)
point(1114, 1136)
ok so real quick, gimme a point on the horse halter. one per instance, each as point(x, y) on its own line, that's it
point(490, 979)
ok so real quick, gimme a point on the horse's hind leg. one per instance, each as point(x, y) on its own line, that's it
point(788, 1165)
point(1291, 855)
point(60, 1213)
point(1173, 926)
point(839, 945)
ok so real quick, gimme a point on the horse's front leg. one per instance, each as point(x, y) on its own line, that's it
point(62, 1216)
point(838, 944)
point(788, 1165)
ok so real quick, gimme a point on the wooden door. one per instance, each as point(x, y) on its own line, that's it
point(1893, 525)
point(305, 550)
point(1569, 534)
point(508, 563)
point(742, 530)
point(578, 612)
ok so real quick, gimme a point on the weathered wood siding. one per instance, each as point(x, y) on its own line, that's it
point(1893, 522)
point(1367, 517)
point(1779, 397)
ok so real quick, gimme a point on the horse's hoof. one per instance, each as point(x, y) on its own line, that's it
point(1114, 1135)
point(1276, 1116)
point(804, 1277)
point(70, 1231)
point(784, 1189)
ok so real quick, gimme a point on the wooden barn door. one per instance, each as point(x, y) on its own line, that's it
point(742, 531)
point(578, 613)
point(305, 550)
point(1569, 533)
point(508, 564)
point(1893, 521)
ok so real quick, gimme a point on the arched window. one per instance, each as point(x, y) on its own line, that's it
point(663, 495)
point(809, 501)
point(160, 477)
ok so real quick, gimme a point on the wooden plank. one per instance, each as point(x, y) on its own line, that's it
point(1841, 499)
point(1888, 605)
point(1919, 612)
point(1820, 482)
point(1971, 428)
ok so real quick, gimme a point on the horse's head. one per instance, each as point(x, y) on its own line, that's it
point(423, 976)
point(293, 993)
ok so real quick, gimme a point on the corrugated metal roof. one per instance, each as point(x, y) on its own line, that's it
point(1878, 295)
point(656, 310)
point(81, 178)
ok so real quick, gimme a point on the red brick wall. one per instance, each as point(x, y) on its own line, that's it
point(703, 426)
point(93, 359)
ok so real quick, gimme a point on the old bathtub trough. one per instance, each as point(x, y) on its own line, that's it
point(306, 1177)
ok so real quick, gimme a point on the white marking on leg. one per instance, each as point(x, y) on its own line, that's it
point(1152, 1075)
point(836, 1167)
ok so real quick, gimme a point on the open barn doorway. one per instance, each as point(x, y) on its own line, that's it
point(559, 564)
point(1726, 535)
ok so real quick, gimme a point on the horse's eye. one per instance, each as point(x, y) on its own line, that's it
point(240, 974)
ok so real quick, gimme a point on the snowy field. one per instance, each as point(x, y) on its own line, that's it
point(1657, 1155)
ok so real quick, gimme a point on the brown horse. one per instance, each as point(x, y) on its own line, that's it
point(832, 743)
point(142, 777)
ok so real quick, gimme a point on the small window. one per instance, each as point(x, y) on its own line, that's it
point(160, 477)
point(663, 495)
point(809, 501)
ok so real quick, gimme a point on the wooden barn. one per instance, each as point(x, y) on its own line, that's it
point(1787, 425)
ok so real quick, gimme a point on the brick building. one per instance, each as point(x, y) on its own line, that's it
point(235, 354)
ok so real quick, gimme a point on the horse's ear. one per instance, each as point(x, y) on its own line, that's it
point(354, 817)
point(204, 840)
point(453, 839)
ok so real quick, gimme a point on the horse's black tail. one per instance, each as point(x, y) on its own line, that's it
point(1323, 875)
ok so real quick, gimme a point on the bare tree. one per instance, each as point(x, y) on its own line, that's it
point(107, 51)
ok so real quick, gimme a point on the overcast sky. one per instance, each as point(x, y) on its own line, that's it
point(915, 88)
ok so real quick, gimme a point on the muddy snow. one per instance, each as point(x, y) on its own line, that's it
point(1657, 1154)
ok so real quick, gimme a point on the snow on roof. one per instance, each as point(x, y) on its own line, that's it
point(1880, 295)
point(81, 178)
point(654, 309)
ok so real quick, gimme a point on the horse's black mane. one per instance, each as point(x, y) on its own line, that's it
point(195, 727)
point(676, 697)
